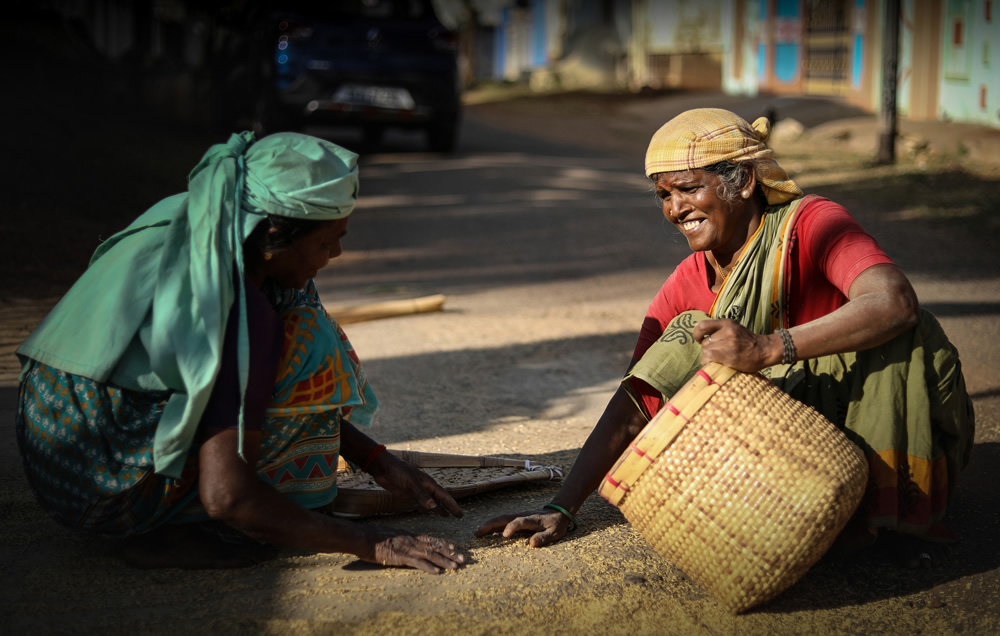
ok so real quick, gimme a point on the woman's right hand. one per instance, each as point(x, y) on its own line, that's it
point(391, 547)
point(548, 526)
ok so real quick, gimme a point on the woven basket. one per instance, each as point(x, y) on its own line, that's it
point(461, 475)
point(739, 485)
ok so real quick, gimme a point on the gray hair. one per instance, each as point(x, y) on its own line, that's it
point(732, 176)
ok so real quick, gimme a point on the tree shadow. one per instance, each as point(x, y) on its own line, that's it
point(870, 576)
point(962, 310)
point(941, 224)
point(526, 381)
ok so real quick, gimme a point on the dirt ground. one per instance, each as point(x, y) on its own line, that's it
point(519, 364)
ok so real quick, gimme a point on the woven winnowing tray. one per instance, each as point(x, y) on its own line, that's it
point(461, 475)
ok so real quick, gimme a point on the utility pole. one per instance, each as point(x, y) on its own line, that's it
point(890, 65)
point(469, 28)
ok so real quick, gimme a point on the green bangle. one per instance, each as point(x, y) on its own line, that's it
point(569, 515)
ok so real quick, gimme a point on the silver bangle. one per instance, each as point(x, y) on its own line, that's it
point(788, 345)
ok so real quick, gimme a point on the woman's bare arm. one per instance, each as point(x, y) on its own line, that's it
point(881, 305)
point(617, 426)
point(394, 474)
point(232, 493)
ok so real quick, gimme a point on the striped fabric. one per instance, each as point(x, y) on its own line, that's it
point(706, 136)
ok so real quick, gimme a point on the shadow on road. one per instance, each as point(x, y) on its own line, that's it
point(530, 381)
point(925, 221)
point(954, 310)
point(867, 577)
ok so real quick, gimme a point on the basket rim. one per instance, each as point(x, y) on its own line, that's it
point(663, 428)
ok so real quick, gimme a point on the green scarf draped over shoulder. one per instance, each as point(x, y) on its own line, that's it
point(753, 294)
point(149, 313)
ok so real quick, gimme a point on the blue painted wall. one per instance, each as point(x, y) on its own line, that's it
point(857, 62)
point(500, 45)
point(539, 53)
point(786, 54)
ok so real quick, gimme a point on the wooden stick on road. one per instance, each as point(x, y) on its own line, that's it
point(387, 309)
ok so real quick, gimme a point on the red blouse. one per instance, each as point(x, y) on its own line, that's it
point(829, 249)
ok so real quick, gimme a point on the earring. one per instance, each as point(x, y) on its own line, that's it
point(745, 194)
point(268, 256)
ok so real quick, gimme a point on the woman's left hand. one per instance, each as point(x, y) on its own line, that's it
point(731, 344)
point(405, 480)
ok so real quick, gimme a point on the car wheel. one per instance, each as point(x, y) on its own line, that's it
point(443, 136)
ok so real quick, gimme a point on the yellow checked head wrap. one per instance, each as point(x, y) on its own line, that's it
point(705, 136)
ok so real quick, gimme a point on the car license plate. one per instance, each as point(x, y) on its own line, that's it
point(381, 96)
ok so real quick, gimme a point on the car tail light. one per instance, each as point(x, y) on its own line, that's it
point(288, 60)
point(293, 33)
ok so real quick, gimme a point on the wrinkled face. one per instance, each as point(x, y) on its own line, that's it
point(293, 266)
point(692, 203)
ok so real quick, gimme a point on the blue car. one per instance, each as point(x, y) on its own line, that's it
point(374, 64)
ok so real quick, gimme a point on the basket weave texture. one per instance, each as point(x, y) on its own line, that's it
point(739, 485)
point(358, 495)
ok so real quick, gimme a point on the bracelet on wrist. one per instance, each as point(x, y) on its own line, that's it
point(789, 355)
point(566, 513)
point(371, 457)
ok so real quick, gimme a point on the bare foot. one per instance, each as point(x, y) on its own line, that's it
point(190, 547)
point(914, 553)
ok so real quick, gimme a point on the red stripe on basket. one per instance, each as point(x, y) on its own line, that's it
point(635, 449)
point(705, 375)
point(617, 484)
point(673, 409)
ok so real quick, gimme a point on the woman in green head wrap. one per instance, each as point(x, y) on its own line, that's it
point(793, 287)
point(190, 384)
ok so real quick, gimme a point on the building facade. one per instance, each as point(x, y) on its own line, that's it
point(948, 56)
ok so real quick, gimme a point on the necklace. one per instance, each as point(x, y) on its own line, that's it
point(722, 273)
point(726, 271)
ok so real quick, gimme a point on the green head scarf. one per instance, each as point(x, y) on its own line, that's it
point(150, 312)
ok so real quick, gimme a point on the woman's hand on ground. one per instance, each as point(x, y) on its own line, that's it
point(732, 344)
point(548, 526)
point(405, 480)
point(390, 547)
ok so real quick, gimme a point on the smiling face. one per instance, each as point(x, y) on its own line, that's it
point(293, 266)
point(691, 202)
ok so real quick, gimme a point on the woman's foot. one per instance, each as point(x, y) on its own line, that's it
point(913, 552)
point(191, 547)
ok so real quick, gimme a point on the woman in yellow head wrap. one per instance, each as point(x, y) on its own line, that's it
point(793, 287)
point(189, 393)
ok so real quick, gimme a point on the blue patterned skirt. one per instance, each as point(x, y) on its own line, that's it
point(87, 447)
